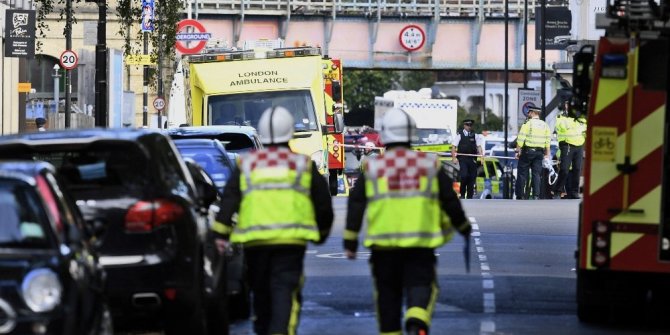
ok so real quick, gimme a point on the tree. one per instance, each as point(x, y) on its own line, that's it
point(360, 89)
point(167, 15)
point(416, 80)
point(493, 122)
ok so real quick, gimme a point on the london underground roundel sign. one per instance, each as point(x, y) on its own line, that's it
point(412, 37)
point(199, 35)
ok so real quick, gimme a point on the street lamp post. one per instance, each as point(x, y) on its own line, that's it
point(56, 75)
point(68, 73)
point(101, 67)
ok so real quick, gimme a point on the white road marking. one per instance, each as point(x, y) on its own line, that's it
point(489, 297)
point(487, 327)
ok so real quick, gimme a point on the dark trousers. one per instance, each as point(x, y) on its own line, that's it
point(529, 158)
point(276, 279)
point(571, 165)
point(468, 173)
point(409, 271)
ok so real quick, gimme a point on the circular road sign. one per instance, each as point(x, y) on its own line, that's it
point(69, 59)
point(183, 37)
point(159, 103)
point(412, 37)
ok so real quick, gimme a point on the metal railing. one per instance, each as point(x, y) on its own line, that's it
point(407, 8)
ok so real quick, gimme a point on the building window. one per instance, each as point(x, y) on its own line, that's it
point(40, 75)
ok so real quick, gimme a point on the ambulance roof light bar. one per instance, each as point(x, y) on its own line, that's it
point(221, 54)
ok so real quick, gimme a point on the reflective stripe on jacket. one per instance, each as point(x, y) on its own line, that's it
point(403, 207)
point(276, 205)
point(535, 134)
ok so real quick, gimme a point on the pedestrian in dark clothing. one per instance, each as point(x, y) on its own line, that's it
point(465, 147)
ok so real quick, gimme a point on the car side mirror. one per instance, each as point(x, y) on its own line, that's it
point(95, 227)
point(204, 185)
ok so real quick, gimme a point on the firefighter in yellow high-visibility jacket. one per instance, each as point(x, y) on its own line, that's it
point(411, 210)
point(283, 203)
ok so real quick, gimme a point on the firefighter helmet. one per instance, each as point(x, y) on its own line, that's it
point(275, 125)
point(397, 127)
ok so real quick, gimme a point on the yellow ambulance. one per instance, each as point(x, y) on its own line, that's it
point(223, 86)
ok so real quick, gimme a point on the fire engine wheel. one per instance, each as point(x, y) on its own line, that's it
point(332, 182)
point(589, 308)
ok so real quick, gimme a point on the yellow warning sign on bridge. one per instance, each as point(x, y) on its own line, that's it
point(139, 60)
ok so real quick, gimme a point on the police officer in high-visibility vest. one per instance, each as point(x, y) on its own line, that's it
point(411, 210)
point(532, 147)
point(570, 133)
point(282, 203)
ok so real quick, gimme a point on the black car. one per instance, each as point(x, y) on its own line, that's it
point(135, 185)
point(213, 158)
point(50, 278)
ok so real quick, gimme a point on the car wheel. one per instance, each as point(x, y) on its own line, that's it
point(332, 183)
point(192, 319)
point(217, 300)
point(217, 315)
point(589, 307)
point(240, 304)
point(106, 326)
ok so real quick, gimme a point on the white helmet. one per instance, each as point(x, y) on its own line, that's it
point(276, 125)
point(397, 127)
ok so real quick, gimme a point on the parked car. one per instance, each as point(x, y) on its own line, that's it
point(135, 185)
point(211, 155)
point(50, 278)
point(236, 139)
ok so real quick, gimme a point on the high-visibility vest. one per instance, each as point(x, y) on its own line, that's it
point(570, 131)
point(534, 134)
point(276, 205)
point(403, 205)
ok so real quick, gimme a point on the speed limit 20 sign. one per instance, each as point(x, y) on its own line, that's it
point(69, 59)
point(159, 103)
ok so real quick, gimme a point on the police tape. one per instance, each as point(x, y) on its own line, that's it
point(443, 154)
point(356, 146)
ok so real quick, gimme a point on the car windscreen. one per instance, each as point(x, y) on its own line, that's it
point(246, 109)
point(432, 136)
point(233, 142)
point(214, 162)
point(23, 222)
point(116, 169)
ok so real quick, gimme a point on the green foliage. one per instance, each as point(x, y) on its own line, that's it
point(46, 7)
point(493, 122)
point(416, 80)
point(167, 15)
point(361, 87)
